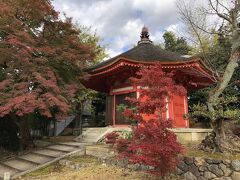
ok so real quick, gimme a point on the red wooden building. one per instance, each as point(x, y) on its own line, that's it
point(112, 77)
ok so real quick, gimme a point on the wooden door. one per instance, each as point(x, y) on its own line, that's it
point(109, 110)
point(179, 109)
point(120, 100)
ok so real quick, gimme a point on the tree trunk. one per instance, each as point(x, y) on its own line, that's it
point(213, 100)
point(24, 134)
point(78, 120)
point(218, 138)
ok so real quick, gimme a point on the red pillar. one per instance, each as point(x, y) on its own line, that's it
point(114, 110)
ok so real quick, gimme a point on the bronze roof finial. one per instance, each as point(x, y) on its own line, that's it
point(144, 36)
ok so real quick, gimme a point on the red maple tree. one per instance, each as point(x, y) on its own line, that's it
point(153, 143)
point(41, 60)
point(111, 138)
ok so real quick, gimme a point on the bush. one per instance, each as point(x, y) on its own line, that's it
point(126, 134)
point(153, 144)
point(111, 138)
point(122, 145)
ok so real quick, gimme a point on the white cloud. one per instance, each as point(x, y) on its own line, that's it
point(174, 28)
point(119, 22)
point(157, 37)
point(157, 12)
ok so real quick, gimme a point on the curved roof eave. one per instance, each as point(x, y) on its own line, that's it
point(145, 52)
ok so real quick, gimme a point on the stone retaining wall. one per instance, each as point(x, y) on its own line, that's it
point(192, 168)
point(189, 168)
point(191, 135)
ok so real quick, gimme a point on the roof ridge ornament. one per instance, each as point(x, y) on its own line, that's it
point(144, 36)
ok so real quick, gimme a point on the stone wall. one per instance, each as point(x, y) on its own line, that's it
point(189, 168)
point(191, 135)
point(192, 168)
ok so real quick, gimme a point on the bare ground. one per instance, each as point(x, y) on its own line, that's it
point(91, 170)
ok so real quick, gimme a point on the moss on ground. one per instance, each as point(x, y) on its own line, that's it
point(192, 150)
point(86, 159)
point(92, 170)
point(53, 168)
point(198, 153)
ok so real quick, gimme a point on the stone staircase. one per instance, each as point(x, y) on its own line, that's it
point(93, 135)
point(31, 161)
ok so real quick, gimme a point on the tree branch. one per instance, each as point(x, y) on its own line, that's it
point(221, 4)
point(224, 16)
point(188, 18)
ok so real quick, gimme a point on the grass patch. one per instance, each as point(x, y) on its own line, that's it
point(91, 170)
point(86, 159)
point(55, 167)
point(193, 151)
point(98, 172)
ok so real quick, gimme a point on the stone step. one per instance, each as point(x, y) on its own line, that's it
point(36, 158)
point(42, 144)
point(63, 148)
point(74, 144)
point(59, 150)
point(91, 143)
point(94, 132)
point(26, 163)
point(94, 128)
point(91, 135)
point(87, 143)
point(19, 165)
point(43, 155)
point(89, 140)
point(4, 168)
point(26, 160)
point(49, 153)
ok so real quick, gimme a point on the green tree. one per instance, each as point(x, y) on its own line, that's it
point(218, 52)
point(218, 100)
point(87, 36)
point(175, 44)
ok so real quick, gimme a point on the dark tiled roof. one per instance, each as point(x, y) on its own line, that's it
point(144, 52)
